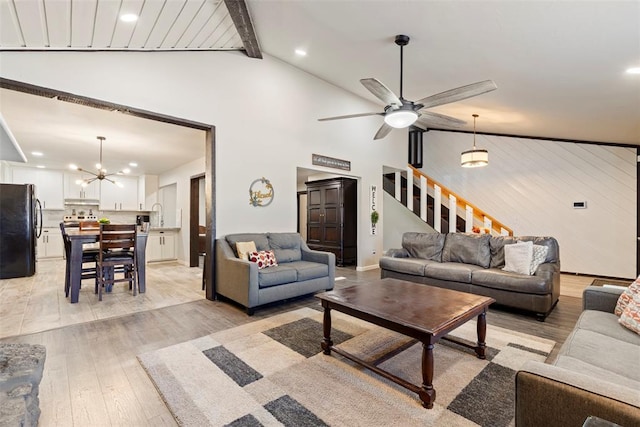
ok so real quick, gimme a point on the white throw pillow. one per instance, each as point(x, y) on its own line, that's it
point(539, 255)
point(244, 248)
point(518, 257)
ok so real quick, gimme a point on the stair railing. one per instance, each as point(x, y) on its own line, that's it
point(472, 214)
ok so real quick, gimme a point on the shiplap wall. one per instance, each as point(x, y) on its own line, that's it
point(530, 185)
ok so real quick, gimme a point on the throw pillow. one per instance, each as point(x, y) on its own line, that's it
point(264, 259)
point(467, 248)
point(626, 296)
point(517, 258)
point(539, 255)
point(244, 248)
point(630, 317)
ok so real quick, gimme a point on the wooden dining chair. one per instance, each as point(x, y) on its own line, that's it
point(89, 225)
point(89, 256)
point(117, 255)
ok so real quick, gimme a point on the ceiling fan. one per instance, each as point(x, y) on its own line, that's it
point(402, 113)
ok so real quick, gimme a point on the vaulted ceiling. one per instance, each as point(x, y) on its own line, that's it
point(560, 66)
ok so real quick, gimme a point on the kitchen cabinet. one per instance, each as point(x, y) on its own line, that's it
point(332, 221)
point(147, 191)
point(122, 197)
point(161, 246)
point(77, 191)
point(49, 185)
point(50, 244)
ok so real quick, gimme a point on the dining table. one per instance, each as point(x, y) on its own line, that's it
point(78, 238)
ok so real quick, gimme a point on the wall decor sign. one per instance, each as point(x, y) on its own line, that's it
point(261, 192)
point(373, 200)
point(330, 162)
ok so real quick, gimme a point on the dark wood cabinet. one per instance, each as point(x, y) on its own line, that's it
point(332, 218)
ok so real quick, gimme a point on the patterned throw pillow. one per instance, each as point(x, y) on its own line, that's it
point(626, 297)
point(245, 248)
point(264, 259)
point(630, 317)
point(539, 255)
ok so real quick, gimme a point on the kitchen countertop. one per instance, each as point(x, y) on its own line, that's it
point(164, 229)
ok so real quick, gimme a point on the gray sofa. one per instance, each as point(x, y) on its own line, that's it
point(596, 372)
point(473, 263)
point(300, 271)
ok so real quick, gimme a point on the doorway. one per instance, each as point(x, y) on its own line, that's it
point(197, 220)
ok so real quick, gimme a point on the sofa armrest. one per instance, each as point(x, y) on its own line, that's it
point(397, 253)
point(320, 257)
point(236, 278)
point(547, 395)
point(600, 298)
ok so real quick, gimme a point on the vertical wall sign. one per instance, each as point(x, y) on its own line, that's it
point(373, 198)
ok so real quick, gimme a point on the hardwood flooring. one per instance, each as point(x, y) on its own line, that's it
point(92, 376)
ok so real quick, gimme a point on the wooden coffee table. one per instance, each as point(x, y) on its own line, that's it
point(423, 312)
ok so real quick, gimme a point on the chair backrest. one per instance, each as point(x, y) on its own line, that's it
point(65, 240)
point(89, 225)
point(117, 236)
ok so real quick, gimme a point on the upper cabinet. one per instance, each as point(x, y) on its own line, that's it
point(77, 191)
point(122, 197)
point(147, 191)
point(49, 185)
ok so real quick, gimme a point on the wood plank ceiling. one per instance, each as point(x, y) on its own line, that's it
point(97, 25)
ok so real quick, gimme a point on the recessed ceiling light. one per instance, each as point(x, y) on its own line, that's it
point(36, 153)
point(133, 164)
point(126, 170)
point(301, 52)
point(633, 70)
point(129, 17)
point(40, 167)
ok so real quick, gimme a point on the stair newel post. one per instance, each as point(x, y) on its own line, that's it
point(410, 188)
point(468, 219)
point(423, 198)
point(453, 213)
point(398, 183)
point(437, 208)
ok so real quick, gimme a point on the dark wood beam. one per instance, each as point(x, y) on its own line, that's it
point(242, 21)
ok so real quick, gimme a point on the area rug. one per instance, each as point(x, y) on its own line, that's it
point(271, 372)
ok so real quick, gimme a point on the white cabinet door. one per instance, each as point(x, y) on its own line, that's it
point(50, 244)
point(161, 246)
point(49, 185)
point(72, 190)
point(123, 197)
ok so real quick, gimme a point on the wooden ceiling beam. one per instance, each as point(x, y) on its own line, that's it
point(242, 21)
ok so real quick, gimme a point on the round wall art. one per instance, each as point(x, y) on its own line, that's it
point(261, 192)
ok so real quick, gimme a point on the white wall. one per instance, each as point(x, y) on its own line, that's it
point(265, 113)
point(530, 185)
point(397, 219)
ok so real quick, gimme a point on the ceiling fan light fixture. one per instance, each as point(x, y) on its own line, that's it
point(476, 157)
point(400, 118)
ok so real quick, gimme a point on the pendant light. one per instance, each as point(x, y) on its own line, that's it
point(476, 157)
point(101, 173)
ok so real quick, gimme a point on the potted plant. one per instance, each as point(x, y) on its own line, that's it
point(374, 217)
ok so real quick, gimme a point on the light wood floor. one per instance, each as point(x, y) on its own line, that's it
point(92, 376)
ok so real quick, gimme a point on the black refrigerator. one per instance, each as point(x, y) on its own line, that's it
point(20, 227)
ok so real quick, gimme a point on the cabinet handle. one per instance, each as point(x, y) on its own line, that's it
point(115, 206)
point(140, 206)
point(120, 206)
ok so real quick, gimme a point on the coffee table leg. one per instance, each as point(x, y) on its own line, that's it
point(482, 334)
point(427, 393)
point(326, 329)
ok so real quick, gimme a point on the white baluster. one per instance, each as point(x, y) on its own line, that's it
point(398, 186)
point(469, 219)
point(423, 198)
point(409, 188)
point(453, 213)
point(488, 223)
point(437, 205)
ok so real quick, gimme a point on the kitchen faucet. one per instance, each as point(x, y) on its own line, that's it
point(160, 216)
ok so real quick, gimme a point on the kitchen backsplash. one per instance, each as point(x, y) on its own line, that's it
point(51, 218)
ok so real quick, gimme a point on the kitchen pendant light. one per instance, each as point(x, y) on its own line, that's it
point(100, 175)
point(476, 157)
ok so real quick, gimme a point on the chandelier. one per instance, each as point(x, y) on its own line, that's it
point(101, 174)
point(476, 157)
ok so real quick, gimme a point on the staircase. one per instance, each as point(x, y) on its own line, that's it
point(430, 200)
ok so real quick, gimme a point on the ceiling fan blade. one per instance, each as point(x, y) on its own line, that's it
point(382, 92)
point(429, 118)
point(383, 131)
point(350, 116)
point(458, 94)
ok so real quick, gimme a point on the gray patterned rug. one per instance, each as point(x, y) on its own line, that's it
point(272, 373)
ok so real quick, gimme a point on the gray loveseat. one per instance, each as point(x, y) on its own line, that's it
point(596, 372)
point(300, 270)
point(473, 263)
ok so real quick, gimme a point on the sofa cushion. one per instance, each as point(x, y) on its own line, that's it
point(260, 239)
point(309, 270)
point(424, 245)
point(606, 324)
point(496, 247)
point(286, 246)
point(507, 281)
point(553, 251)
point(467, 248)
point(413, 266)
point(598, 374)
point(277, 275)
point(453, 271)
point(603, 351)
